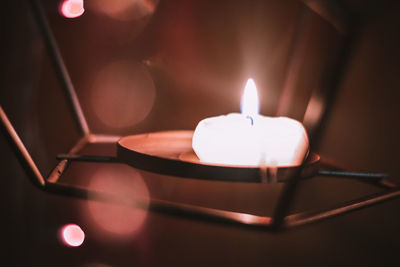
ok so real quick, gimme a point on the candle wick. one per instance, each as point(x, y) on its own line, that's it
point(251, 120)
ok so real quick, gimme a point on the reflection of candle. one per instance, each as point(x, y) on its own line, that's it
point(249, 138)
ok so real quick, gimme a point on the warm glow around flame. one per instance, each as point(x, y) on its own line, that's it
point(249, 105)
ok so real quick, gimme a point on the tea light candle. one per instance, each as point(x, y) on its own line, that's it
point(250, 139)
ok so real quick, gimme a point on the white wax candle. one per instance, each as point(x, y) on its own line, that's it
point(250, 139)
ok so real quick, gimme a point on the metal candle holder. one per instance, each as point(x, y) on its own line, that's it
point(176, 161)
point(171, 153)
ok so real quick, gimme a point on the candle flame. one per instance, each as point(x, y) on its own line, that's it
point(249, 105)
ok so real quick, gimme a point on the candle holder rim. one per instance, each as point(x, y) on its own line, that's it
point(159, 152)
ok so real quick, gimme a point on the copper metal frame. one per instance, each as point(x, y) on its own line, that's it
point(281, 218)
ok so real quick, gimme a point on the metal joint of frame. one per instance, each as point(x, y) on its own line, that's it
point(281, 218)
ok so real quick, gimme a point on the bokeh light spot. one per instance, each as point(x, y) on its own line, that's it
point(72, 8)
point(125, 9)
point(122, 95)
point(115, 221)
point(72, 235)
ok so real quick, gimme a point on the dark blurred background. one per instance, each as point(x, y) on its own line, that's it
point(150, 65)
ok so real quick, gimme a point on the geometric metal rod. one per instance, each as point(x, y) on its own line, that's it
point(329, 89)
point(293, 64)
point(226, 216)
point(103, 138)
point(352, 174)
point(87, 158)
point(286, 198)
point(58, 170)
point(20, 150)
point(367, 201)
point(161, 206)
point(58, 63)
point(323, 99)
